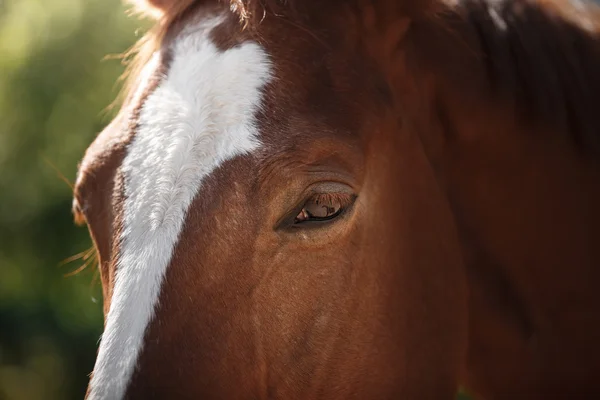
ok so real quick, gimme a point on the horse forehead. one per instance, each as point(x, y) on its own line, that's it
point(201, 114)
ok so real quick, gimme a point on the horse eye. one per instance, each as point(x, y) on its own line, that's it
point(320, 208)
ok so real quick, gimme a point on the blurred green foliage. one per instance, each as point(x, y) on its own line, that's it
point(54, 92)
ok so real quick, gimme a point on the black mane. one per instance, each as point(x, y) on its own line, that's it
point(546, 55)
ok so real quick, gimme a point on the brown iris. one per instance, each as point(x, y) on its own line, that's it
point(322, 207)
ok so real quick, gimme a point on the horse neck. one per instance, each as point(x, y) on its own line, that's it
point(525, 198)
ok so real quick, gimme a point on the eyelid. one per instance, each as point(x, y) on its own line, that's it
point(323, 188)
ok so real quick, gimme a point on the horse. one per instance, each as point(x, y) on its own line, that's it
point(357, 199)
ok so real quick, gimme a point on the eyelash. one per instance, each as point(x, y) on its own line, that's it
point(343, 201)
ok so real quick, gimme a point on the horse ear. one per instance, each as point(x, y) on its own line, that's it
point(157, 8)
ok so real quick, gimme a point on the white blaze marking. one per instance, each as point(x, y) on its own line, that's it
point(200, 115)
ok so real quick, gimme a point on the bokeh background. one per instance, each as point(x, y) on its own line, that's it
point(55, 86)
